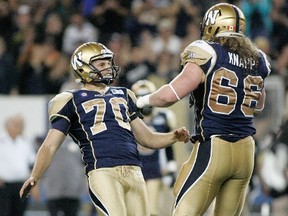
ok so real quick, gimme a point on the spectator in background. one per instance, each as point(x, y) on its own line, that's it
point(56, 69)
point(279, 17)
point(65, 8)
point(109, 16)
point(78, 32)
point(6, 19)
point(282, 62)
point(138, 68)
point(30, 67)
point(273, 170)
point(16, 158)
point(43, 69)
point(145, 42)
point(120, 44)
point(166, 38)
point(192, 33)
point(22, 27)
point(52, 30)
point(167, 68)
point(186, 12)
point(8, 74)
point(264, 44)
point(149, 12)
point(257, 13)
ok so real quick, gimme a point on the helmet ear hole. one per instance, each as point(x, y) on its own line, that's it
point(217, 30)
point(209, 30)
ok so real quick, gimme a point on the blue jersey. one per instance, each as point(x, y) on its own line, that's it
point(99, 124)
point(225, 102)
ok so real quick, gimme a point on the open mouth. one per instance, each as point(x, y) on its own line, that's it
point(109, 75)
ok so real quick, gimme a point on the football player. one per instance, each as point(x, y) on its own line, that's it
point(104, 122)
point(224, 73)
point(158, 165)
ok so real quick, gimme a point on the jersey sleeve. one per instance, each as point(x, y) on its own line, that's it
point(266, 62)
point(60, 111)
point(200, 53)
point(134, 111)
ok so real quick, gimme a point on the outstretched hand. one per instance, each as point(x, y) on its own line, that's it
point(182, 135)
point(27, 186)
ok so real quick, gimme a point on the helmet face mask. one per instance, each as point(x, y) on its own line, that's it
point(83, 69)
point(223, 20)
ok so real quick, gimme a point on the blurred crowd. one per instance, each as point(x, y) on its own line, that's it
point(37, 37)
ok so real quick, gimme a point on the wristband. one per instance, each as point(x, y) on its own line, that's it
point(143, 101)
point(175, 93)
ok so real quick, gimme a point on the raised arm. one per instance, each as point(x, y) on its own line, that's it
point(187, 81)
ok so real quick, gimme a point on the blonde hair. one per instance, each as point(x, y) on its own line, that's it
point(243, 46)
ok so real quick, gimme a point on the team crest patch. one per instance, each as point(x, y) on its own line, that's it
point(117, 91)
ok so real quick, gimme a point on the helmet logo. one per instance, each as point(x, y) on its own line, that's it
point(77, 60)
point(211, 17)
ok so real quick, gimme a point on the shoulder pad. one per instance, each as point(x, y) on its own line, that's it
point(199, 52)
point(57, 103)
point(132, 95)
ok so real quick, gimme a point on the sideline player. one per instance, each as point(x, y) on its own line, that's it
point(158, 165)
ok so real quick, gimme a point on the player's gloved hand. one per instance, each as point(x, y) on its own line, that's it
point(143, 101)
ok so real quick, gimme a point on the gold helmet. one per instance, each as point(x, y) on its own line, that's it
point(223, 20)
point(82, 68)
point(143, 87)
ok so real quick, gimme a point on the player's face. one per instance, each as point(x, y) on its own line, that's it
point(104, 66)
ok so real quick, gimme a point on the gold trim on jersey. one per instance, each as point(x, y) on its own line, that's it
point(57, 103)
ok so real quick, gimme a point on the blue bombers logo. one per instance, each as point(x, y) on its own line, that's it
point(77, 60)
point(211, 17)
